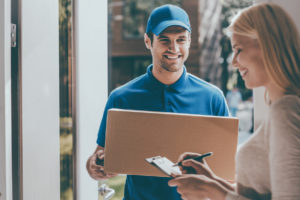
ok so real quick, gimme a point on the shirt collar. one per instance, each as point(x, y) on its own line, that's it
point(178, 86)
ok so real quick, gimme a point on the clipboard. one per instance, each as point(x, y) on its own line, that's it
point(164, 164)
point(132, 136)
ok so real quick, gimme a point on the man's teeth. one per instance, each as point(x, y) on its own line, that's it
point(172, 57)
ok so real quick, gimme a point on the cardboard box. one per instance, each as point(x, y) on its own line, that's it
point(132, 136)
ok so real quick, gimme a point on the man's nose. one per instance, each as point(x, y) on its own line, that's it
point(173, 47)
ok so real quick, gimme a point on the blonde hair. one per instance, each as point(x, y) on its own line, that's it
point(279, 40)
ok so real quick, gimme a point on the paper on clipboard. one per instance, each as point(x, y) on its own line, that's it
point(132, 136)
point(165, 165)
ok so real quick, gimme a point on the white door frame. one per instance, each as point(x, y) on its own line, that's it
point(5, 102)
point(92, 86)
point(39, 62)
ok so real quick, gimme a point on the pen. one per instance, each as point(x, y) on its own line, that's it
point(198, 158)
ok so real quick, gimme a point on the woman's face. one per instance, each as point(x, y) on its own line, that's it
point(248, 59)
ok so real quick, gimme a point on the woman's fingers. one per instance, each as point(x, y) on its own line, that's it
point(198, 167)
point(187, 155)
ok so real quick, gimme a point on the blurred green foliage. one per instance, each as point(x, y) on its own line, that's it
point(66, 159)
point(117, 183)
point(66, 137)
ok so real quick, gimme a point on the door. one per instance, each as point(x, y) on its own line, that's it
point(29, 107)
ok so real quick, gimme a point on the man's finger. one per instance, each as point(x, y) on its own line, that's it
point(100, 152)
point(101, 156)
point(172, 183)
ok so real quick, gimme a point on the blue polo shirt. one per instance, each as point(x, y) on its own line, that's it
point(188, 94)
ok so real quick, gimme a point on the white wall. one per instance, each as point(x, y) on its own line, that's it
point(91, 45)
point(260, 108)
point(5, 103)
point(292, 7)
point(40, 99)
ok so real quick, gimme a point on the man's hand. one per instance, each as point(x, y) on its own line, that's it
point(95, 166)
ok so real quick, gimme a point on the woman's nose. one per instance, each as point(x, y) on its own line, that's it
point(234, 61)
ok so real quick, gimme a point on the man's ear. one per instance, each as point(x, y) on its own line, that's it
point(147, 41)
point(189, 40)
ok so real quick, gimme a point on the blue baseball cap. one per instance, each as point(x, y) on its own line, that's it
point(167, 15)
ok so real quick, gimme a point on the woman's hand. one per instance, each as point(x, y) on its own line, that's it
point(198, 187)
point(190, 166)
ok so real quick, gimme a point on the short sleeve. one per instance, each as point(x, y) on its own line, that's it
point(102, 128)
point(220, 105)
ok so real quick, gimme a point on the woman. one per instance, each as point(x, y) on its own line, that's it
point(266, 47)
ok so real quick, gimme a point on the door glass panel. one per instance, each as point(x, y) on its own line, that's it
point(66, 84)
point(209, 56)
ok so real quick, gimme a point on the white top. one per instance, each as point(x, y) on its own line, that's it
point(268, 164)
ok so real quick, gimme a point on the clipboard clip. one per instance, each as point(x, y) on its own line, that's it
point(151, 159)
point(164, 164)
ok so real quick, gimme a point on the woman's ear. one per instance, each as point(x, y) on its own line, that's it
point(147, 41)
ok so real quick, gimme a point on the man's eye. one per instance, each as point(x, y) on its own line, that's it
point(164, 40)
point(181, 40)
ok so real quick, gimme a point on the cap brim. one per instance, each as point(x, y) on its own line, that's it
point(165, 24)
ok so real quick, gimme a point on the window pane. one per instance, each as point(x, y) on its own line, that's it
point(136, 14)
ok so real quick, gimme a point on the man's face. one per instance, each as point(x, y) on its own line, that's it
point(170, 49)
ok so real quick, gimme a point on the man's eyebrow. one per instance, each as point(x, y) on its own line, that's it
point(162, 36)
point(183, 36)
